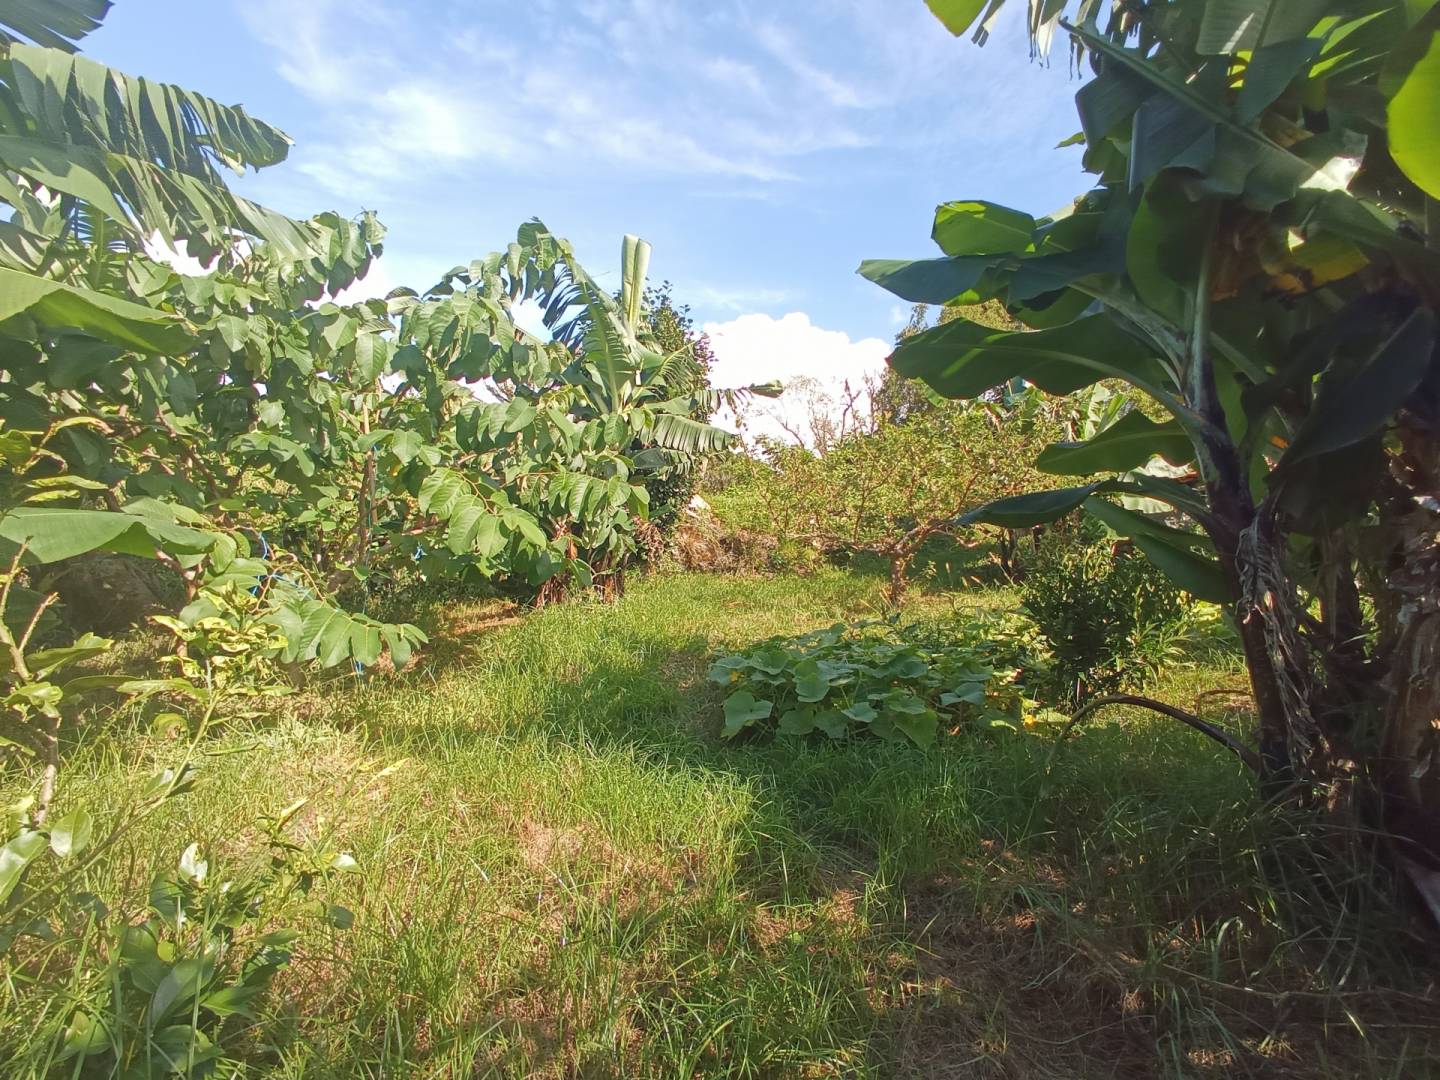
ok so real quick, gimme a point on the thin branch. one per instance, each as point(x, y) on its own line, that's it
point(1234, 745)
point(45, 602)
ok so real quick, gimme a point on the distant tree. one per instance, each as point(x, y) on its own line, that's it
point(887, 488)
point(672, 328)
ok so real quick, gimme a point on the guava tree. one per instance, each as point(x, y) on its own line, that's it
point(894, 485)
point(1258, 256)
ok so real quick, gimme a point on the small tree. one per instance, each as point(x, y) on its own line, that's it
point(672, 328)
point(891, 487)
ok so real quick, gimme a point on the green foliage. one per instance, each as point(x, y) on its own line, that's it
point(1414, 115)
point(874, 678)
point(161, 415)
point(157, 995)
point(676, 478)
point(890, 487)
point(1111, 620)
point(1256, 261)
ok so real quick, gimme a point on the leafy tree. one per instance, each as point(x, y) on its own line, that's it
point(247, 431)
point(1258, 258)
point(891, 487)
point(672, 328)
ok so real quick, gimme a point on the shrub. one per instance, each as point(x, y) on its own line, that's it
point(873, 678)
point(169, 992)
point(1110, 619)
point(705, 543)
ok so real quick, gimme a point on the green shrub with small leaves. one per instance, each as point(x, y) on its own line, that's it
point(1110, 618)
point(872, 678)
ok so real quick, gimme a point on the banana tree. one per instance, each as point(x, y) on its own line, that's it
point(1259, 257)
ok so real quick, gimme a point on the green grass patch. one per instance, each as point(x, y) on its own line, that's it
point(566, 872)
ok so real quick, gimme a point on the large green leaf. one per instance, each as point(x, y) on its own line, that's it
point(928, 281)
point(1349, 410)
point(1163, 129)
point(975, 227)
point(154, 147)
point(963, 359)
point(1231, 26)
point(56, 24)
point(1140, 488)
point(1414, 121)
point(68, 170)
point(62, 306)
point(634, 264)
point(1130, 523)
point(1027, 511)
point(1109, 100)
point(1201, 577)
point(74, 99)
point(1239, 159)
point(742, 709)
point(50, 534)
point(675, 432)
point(1162, 250)
point(1127, 444)
point(1271, 69)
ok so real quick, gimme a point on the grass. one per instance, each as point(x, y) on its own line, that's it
point(565, 873)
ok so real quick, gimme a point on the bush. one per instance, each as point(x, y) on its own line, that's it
point(1111, 620)
point(174, 991)
point(706, 544)
point(872, 678)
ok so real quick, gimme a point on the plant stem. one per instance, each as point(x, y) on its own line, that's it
point(1234, 745)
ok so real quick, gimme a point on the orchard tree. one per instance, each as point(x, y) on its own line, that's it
point(892, 486)
point(672, 484)
point(1258, 258)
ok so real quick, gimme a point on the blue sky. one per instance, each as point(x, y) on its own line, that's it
point(764, 148)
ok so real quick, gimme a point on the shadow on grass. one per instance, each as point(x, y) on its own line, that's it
point(942, 565)
point(1014, 912)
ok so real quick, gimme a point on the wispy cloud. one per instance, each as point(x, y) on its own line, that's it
point(838, 124)
point(786, 49)
point(738, 299)
point(599, 85)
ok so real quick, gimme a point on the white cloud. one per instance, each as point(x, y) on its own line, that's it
point(757, 348)
point(783, 47)
point(642, 89)
point(733, 74)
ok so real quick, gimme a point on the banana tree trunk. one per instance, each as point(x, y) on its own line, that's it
point(1409, 762)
